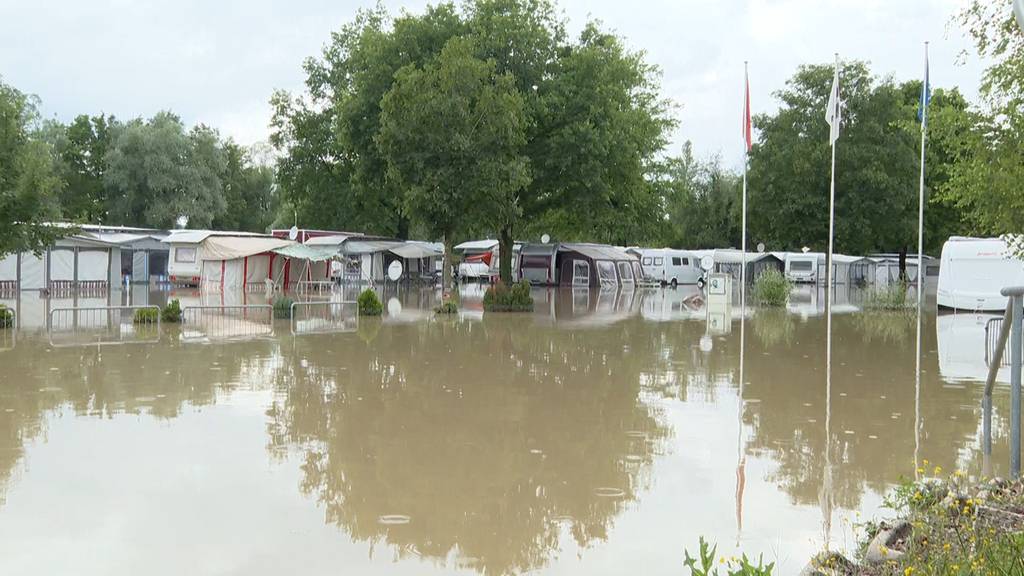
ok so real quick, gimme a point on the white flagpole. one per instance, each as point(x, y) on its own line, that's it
point(831, 223)
point(921, 276)
point(740, 473)
point(827, 483)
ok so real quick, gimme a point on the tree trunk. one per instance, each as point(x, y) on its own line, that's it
point(505, 249)
point(446, 264)
point(403, 228)
point(903, 264)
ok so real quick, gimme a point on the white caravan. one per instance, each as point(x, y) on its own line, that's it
point(803, 267)
point(669, 266)
point(973, 271)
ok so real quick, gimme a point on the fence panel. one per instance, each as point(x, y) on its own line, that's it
point(992, 328)
point(103, 325)
point(324, 317)
point(227, 322)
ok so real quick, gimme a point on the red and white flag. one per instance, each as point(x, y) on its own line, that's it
point(747, 134)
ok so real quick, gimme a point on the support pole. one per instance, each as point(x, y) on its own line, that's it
point(1016, 352)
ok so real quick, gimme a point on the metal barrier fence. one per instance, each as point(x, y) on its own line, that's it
point(314, 286)
point(992, 329)
point(1011, 330)
point(324, 317)
point(102, 325)
point(227, 322)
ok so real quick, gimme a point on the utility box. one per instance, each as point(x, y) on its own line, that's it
point(719, 303)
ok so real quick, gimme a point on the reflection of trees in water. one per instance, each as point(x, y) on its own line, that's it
point(491, 436)
point(774, 326)
point(888, 327)
point(154, 379)
point(872, 395)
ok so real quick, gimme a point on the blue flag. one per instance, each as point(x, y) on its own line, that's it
point(926, 94)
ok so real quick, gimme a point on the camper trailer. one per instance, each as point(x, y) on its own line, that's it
point(972, 271)
point(802, 267)
point(670, 267)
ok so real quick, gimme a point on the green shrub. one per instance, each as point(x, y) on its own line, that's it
point(146, 316)
point(707, 565)
point(891, 297)
point(171, 313)
point(6, 317)
point(771, 288)
point(369, 304)
point(447, 307)
point(502, 298)
point(283, 307)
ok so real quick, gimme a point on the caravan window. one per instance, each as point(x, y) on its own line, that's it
point(184, 254)
point(580, 273)
point(638, 272)
point(647, 260)
point(801, 266)
point(659, 261)
point(606, 272)
point(625, 272)
point(677, 261)
point(686, 261)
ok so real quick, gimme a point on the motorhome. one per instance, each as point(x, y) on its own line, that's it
point(972, 271)
point(668, 266)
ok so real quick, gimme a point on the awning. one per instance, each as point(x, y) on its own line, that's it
point(306, 252)
point(231, 247)
point(484, 258)
point(414, 251)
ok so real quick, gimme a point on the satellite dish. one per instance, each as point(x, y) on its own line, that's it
point(545, 239)
point(805, 249)
point(760, 247)
point(707, 263)
point(395, 271)
point(293, 233)
point(1018, 9)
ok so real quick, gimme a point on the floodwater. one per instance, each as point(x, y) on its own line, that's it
point(602, 434)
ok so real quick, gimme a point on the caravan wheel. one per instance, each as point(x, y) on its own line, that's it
point(674, 283)
point(700, 282)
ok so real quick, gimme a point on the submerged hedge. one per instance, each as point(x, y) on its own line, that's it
point(502, 298)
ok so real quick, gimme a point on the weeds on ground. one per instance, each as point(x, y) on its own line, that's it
point(146, 316)
point(705, 563)
point(6, 317)
point(283, 307)
point(891, 297)
point(171, 313)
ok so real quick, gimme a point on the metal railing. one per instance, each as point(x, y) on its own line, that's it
point(1012, 328)
point(314, 286)
point(324, 317)
point(103, 325)
point(227, 322)
point(993, 330)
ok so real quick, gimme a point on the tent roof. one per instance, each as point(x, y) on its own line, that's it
point(360, 246)
point(197, 236)
point(414, 251)
point(598, 251)
point(331, 240)
point(305, 252)
point(229, 247)
point(476, 245)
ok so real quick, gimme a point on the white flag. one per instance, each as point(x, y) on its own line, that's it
point(834, 114)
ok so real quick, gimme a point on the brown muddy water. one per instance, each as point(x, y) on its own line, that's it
point(602, 434)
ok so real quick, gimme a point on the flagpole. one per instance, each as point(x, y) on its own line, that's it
point(827, 483)
point(740, 473)
point(921, 276)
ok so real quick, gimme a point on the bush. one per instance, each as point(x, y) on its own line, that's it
point(891, 297)
point(146, 316)
point(6, 317)
point(771, 288)
point(501, 298)
point(171, 313)
point(283, 307)
point(447, 307)
point(369, 304)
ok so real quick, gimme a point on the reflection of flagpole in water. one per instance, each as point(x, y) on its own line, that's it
point(740, 460)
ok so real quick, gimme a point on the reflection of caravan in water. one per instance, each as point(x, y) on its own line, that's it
point(669, 266)
point(962, 345)
point(973, 271)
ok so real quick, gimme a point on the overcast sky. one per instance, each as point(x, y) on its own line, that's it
point(217, 62)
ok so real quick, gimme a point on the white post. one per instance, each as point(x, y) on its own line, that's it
point(921, 276)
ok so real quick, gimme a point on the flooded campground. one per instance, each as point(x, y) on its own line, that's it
point(603, 432)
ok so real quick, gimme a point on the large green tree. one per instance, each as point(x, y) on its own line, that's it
point(452, 133)
point(29, 184)
point(249, 200)
point(985, 180)
point(158, 172)
point(702, 202)
point(876, 166)
point(80, 150)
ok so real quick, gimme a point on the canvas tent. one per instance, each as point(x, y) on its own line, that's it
point(596, 266)
point(74, 263)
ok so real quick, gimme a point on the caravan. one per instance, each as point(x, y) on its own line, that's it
point(802, 267)
point(668, 266)
point(972, 271)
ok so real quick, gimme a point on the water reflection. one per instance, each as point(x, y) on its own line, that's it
point(492, 438)
point(502, 443)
